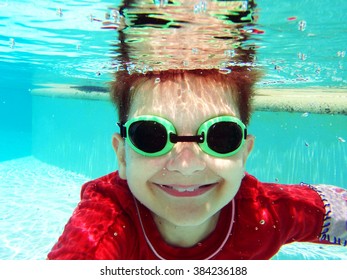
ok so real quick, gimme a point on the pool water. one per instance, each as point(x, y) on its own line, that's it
point(52, 140)
point(37, 198)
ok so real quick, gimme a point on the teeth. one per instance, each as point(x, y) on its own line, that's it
point(191, 189)
point(186, 190)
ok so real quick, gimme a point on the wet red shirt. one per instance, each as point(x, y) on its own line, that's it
point(107, 225)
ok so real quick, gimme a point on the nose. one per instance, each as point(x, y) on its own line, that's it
point(186, 159)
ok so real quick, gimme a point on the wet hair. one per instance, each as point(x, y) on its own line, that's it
point(239, 80)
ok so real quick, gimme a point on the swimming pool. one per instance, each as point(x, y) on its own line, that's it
point(33, 191)
point(58, 120)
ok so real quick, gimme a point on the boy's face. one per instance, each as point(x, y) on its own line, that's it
point(156, 181)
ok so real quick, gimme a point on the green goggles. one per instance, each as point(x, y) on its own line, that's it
point(154, 136)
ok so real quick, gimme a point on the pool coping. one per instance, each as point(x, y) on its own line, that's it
point(314, 100)
point(71, 91)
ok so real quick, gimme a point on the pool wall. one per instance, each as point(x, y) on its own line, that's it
point(296, 147)
point(74, 132)
point(15, 112)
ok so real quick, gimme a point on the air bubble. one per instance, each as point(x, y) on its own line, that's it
point(116, 16)
point(59, 12)
point(12, 43)
point(195, 50)
point(161, 3)
point(302, 56)
point(157, 80)
point(243, 6)
point(224, 71)
point(201, 7)
point(229, 53)
point(302, 25)
point(262, 222)
point(341, 53)
point(278, 68)
point(144, 70)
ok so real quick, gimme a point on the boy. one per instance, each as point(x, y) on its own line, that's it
point(181, 191)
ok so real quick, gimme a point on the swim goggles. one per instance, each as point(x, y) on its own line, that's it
point(154, 136)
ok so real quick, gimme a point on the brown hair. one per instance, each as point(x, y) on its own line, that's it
point(240, 80)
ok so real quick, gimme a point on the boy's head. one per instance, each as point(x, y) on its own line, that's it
point(237, 81)
point(186, 185)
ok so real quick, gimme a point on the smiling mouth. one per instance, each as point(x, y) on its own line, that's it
point(186, 190)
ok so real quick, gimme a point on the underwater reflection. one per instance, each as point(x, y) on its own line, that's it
point(204, 34)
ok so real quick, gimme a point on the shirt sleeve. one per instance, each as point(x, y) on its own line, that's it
point(98, 229)
point(335, 220)
point(85, 234)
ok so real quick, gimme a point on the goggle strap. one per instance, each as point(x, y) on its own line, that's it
point(174, 138)
point(123, 130)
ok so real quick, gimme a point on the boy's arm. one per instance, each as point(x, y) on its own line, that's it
point(93, 232)
point(335, 221)
point(98, 228)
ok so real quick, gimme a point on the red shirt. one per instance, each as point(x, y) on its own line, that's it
point(106, 224)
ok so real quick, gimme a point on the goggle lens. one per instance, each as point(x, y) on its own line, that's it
point(224, 137)
point(148, 136)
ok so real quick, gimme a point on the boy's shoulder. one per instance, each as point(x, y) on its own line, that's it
point(108, 180)
point(103, 215)
point(109, 187)
point(266, 192)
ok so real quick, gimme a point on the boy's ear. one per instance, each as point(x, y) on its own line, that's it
point(248, 147)
point(119, 148)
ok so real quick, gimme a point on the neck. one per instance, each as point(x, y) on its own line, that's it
point(185, 236)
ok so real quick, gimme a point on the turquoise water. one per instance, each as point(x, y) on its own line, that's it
point(49, 146)
point(47, 183)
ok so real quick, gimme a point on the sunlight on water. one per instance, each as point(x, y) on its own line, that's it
point(36, 200)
